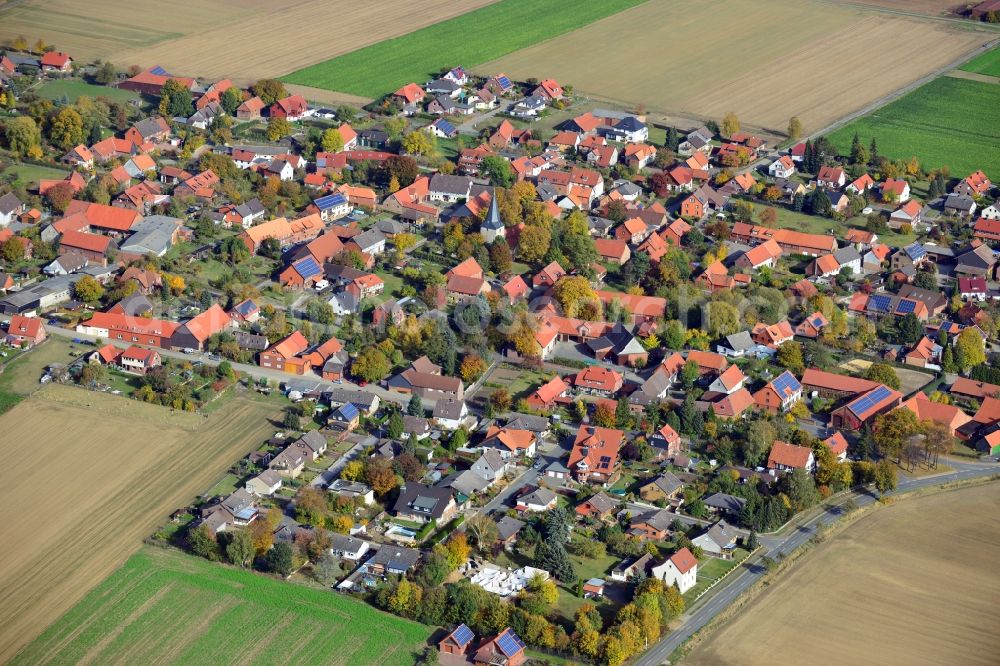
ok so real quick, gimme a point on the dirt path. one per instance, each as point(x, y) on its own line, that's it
point(973, 76)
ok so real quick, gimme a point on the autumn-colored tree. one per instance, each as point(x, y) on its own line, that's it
point(883, 373)
point(340, 524)
point(175, 283)
point(277, 128)
point(730, 124)
point(574, 293)
point(371, 365)
point(380, 476)
point(353, 471)
point(457, 550)
point(604, 415)
point(88, 289)
point(23, 135)
point(500, 399)
point(332, 141)
point(768, 216)
point(419, 142)
point(794, 128)
point(59, 196)
point(970, 350)
point(891, 431)
point(533, 243)
point(66, 129)
point(311, 506)
point(472, 368)
point(790, 357)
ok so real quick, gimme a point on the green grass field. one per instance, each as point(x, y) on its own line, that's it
point(948, 122)
point(72, 90)
point(468, 40)
point(988, 63)
point(166, 607)
point(32, 173)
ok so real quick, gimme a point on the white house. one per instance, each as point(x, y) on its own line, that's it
point(783, 167)
point(680, 569)
point(352, 490)
point(450, 414)
point(541, 499)
point(991, 212)
point(348, 547)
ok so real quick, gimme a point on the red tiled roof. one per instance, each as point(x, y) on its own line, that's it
point(684, 560)
point(788, 455)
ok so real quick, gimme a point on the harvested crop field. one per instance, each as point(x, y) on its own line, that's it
point(910, 584)
point(929, 7)
point(240, 39)
point(166, 607)
point(779, 65)
point(948, 122)
point(87, 476)
point(468, 40)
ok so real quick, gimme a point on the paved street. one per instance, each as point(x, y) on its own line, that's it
point(790, 538)
point(252, 370)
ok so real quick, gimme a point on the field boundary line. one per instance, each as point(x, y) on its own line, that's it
point(723, 577)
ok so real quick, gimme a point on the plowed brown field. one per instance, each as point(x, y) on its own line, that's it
point(910, 584)
point(766, 60)
point(87, 476)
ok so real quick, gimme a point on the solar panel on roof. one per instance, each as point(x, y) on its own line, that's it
point(869, 400)
point(817, 322)
point(330, 200)
point(159, 71)
point(308, 267)
point(906, 306)
point(786, 384)
point(462, 635)
point(504, 82)
point(880, 303)
point(445, 126)
point(510, 644)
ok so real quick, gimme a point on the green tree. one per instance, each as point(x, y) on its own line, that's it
point(498, 170)
point(320, 311)
point(790, 356)
point(202, 543)
point(501, 257)
point(689, 373)
point(327, 568)
point(234, 250)
point(175, 99)
point(240, 550)
point(892, 430)
point(231, 100)
point(415, 407)
point(885, 475)
point(269, 90)
point(23, 135)
point(910, 329)
point(760, 436)
point(883, 373)
point(533, 244)
point(395, 426)
point(723, 319)
point(12, 250)
point(280, 559)
point(674, 335)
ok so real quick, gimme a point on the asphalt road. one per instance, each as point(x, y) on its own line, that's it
point(784, 543)
point(254, 371)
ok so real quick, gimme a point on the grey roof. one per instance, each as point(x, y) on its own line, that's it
point(449, 184)
point(725, 502)
point(358, 398)
point(846, 255)
point(426, 500)
point(135, 303)
point(466, 482)
point(508, 527)
point(739, 341)
point(959, 202)
point(390, 226)
point(395, 557)
point(342, 543)
point(668, 483)
point(556, 466)
point(540, 496)
point(148, 127)
point(448, 409)
point(659, 519)
point(153, 235)
point(251, 341)
point(415, 424)
point(71, 261)
point(530, 422)
point(656, 385)
point(314, 440)
point(493, 221)
point(252, 207)
point(492, 459)
point(722, 534)
point(370, 238)
point(603, 503)
point(642, 563)
point(345, 486)
point(9, 203)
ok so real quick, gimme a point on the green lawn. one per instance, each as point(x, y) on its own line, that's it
point(815, 224)
point(988, 63)
point(164, 606)
point(32, 173)
point(469, 40)
point(948, 122)
point(225, 487)
point(71, 90)
point(711, 569)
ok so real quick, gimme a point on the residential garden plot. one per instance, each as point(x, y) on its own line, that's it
point(468, 40)
point(948, 122)
point(876, 583)
point(167, 607)
point(70, 91)
point(707, 58)
point(87, 477)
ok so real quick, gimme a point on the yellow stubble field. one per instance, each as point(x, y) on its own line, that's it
point(766, 60)
point(914, 583)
